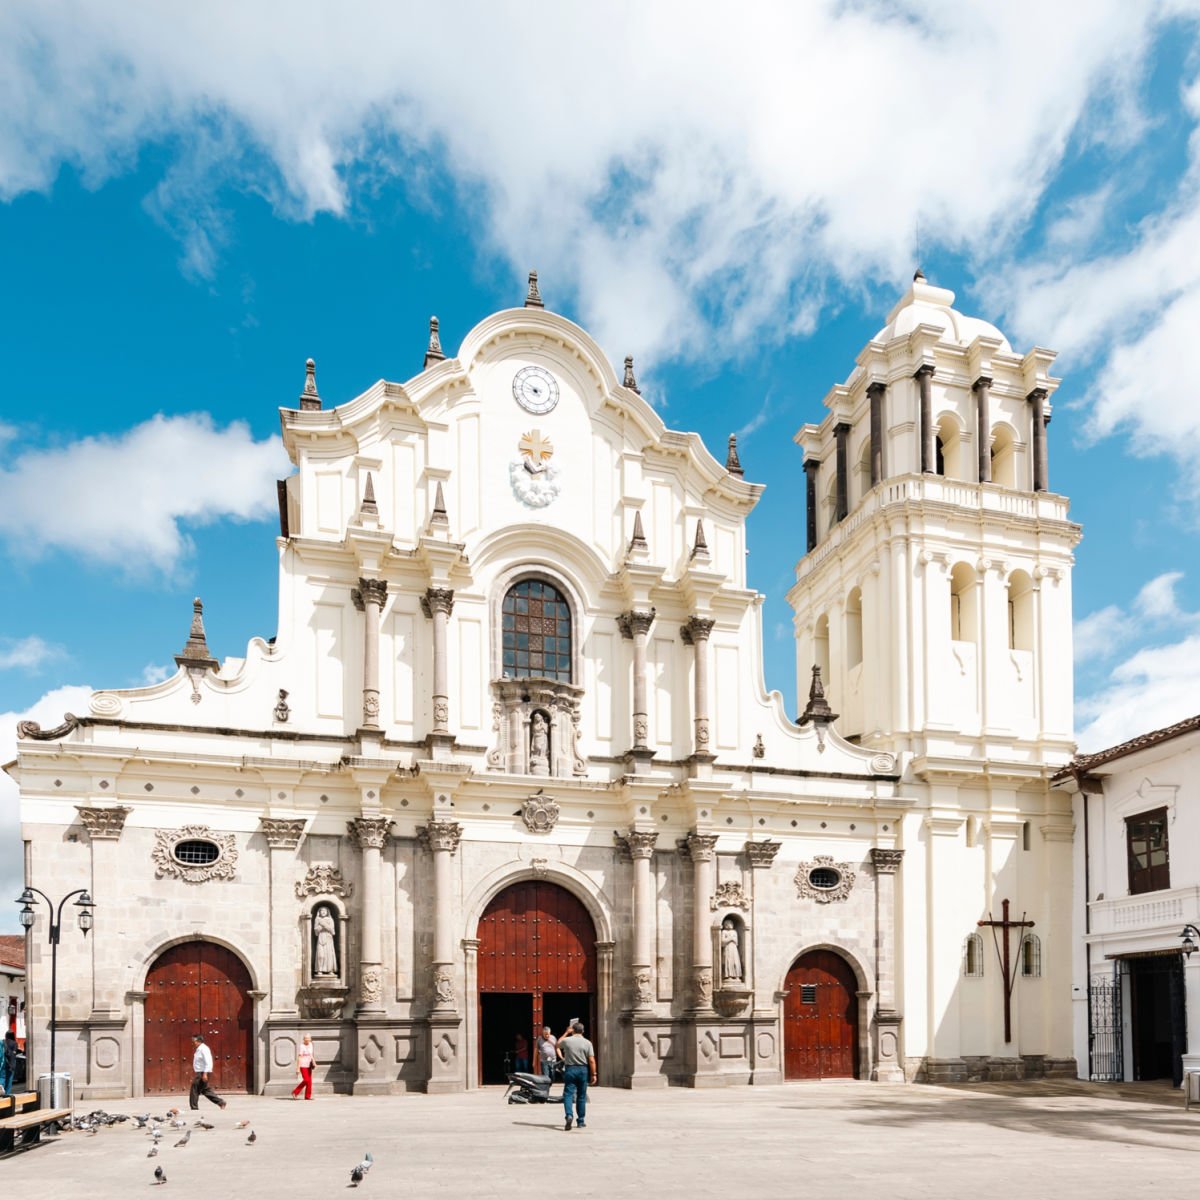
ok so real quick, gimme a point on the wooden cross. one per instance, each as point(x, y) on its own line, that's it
point(1010, 977)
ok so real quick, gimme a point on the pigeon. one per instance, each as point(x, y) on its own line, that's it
point(142, 1120)
point(360, 1172)
point(252, 1138)
point(242, 1124)
point(156, 1134)
point(160, 1176)
point(183, 1141)
point(153, 1150)
point(178, 1123)
point(356, 1176)
point(203, 1124)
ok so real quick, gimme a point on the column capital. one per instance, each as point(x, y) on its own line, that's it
point(373, 591)
point(984, 381)
point(812, 466)
point(924, 371)
point(876, 388)
point(640, 842)
point(701, 846)
point(1038, 393)
point(442, 836)
point(103, 824)
point(696, 629)
point(371, 833)
point(282, 833)
point(635, 621)
point(437, 600)
point(886, 862)
point(762, 854)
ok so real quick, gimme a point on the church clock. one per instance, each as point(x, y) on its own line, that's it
point(535, 390)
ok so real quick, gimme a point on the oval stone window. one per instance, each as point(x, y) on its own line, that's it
point(824, 878)
point(196, 852)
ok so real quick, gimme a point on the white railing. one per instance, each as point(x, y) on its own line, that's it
point(1151, 911)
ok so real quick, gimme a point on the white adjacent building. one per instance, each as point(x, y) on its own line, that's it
point(509, 756)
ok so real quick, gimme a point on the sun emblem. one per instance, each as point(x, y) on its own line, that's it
point(534, 478)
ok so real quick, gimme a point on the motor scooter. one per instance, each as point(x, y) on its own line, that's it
point(526, 1088)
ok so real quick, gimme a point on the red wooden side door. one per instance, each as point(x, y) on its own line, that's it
point(199, 986)
point(820, 1018)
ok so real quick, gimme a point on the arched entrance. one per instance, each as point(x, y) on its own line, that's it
point(199, 986)
point(820, 1018)
point(537, 965)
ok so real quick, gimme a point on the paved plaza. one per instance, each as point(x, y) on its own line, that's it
point(859, 1140)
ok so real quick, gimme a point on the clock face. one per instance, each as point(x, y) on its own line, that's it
point(535, 389)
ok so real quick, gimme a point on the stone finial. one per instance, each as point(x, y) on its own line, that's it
point(533, 298)
point(630, 380)
point(638, 543)
point(195, 652)
point(918, 276)
point(368, 505)
point(310, 401)
point(817, 710)
point(700, 545)
point(439, 516)
point(434, 352)
point(733, 464)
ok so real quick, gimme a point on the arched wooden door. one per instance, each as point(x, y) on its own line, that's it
point(820, 1018)
point(537, 965)
point(199, 986)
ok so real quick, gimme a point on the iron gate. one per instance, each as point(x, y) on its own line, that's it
point(1105, 1034)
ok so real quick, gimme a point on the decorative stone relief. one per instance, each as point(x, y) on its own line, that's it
point(323, 880)
point(105, 704)
point(371, 833)
point(822, 868)
point(640, 842)
point(702, 984)
point(282, 834)
point(537, 728)
point(729, 895)
point(701, 846)
point(883, 764)
point(103, 823)
point(539, 867)
point(762, 854)
point(886, 862)
point(643, 986)
point(31, 729)
point(282, 712)
point(760, 750)
point(165, 862)
point(540, 813)
point(534, 478)
point(371, 984)
point(443, 986)
point(443, 835)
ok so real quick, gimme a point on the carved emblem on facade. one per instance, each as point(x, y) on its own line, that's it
point(282, 712)
point(371, 985)
point(443, 986)
point(103, 822)
point(540, 813)
point(168, 862)
point(703, 986)
point(643, 986)
point(883, 764)
point(760, 750)
point(535, 479)
point(539, 867)
point(323, 880)
point(729, 895)
point(823, 880)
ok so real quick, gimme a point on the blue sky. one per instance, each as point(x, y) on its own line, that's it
point(193, 202)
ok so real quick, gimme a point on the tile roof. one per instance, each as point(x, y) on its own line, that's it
point(1082, 763)
point(12, 949)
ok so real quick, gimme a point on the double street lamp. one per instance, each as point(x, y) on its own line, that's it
point(27, 916)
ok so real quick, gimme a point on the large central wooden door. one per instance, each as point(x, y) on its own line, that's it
point(199, 986)
point(537, 965)
point(820, 1018)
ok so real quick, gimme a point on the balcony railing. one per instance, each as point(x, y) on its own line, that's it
point(1153, 910)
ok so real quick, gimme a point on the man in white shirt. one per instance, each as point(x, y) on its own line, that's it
point(202, 1065)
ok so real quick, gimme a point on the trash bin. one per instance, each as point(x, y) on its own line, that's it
point(55, 1091)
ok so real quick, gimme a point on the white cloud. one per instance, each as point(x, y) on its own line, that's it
point(48, 712)
point(704, 179)
point(28, 653)
point(1101, 633)
point(1155, 608)
point(126, 500)
point(153, 673)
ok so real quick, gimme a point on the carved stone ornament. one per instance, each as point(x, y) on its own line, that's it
point(640, 842)
point(643, 986)
point(443, 835)
point(539, 868)
point(103, 823)
point(370, 985)
point(883, 764)
point(282, 834)
point(762, 854)
point(437, 600)
point(702, 985)
point(443, 986)
point(540, 813)
point(323, 880)
point(760, 750)
point(371, 833)
point(729, 895)
point(635, 622)
point(701, 846)
point(31, 729)
point(165, 862)
point(534, 478)
point(823, 864)
point(886, 862)
point(282, 712)
point(373, 591)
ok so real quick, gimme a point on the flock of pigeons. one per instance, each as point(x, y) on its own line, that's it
point(155, 1126)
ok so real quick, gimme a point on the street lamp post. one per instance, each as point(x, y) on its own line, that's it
point(27, 916)
point(1189, 947)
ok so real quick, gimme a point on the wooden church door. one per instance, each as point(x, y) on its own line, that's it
point(820, 1018)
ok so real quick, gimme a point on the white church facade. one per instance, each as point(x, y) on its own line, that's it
point(509, 758)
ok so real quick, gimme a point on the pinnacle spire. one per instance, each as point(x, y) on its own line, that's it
point(638, 543)
point(310, 401)
point(700, 546)
point(368, 500)
point(439, 515)
point(817, 710)
point(434, 352)
point(733, 464)
point(195, 652)
point(630, 380)
point(918, 276)
point(533, 298)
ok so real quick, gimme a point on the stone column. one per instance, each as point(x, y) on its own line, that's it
point(842, 432)
point(283, 837)
point(641, 850)
point(701, 847)
point(889, 1063)
point(636, 625)
point(1191, 1001)
point(1037, 399)
point(437, 604)
point(925, 430)
point(811, 467)
point(983, 426)
point(444, 837)
point(371, 833)
point(875, 393)
point(104, 827)
point(369, 598)
point(470, 948)
point(695, 633)
point(606, 1053)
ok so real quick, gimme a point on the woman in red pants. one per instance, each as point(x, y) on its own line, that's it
point(305, 1061)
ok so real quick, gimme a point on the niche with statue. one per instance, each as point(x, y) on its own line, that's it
point(731, 955)
point(325, 928)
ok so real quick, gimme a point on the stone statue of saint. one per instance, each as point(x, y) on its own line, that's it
point(539, 745)
point(325, 930)
point(731, 955)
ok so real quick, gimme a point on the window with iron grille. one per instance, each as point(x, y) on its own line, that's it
point(973, 956)
point(1149, 857)
point(536, 632)
point(1031, 956)
point(808, 993)
point(197, 853)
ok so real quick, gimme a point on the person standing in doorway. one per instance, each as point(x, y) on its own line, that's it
point(579, 1062)
point(521, 1053)
point(305, 1061)
point(202, 1065)
point(547, 1045)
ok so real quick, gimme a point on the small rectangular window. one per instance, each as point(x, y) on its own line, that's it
point(808, 993)
point(1149, 858)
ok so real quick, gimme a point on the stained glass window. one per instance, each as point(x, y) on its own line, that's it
point(536, 632)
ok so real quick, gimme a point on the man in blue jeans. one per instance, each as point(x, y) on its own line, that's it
point(8, 1063)
point(579, 1063)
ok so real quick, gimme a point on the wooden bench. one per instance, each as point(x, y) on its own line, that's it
point(29, 1125)
point(16, 1102)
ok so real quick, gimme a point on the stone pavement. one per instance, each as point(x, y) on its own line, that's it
point(1057, 1140)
